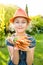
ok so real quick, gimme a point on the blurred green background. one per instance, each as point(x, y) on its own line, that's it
point(35, 29)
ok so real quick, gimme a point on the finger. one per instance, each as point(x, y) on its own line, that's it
point(26, 43)
point(27, 40)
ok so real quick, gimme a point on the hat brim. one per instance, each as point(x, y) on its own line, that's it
point(13, 18)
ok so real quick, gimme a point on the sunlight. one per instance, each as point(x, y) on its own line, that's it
point(34, 6)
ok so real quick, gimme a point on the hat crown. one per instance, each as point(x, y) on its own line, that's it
point(20, 12)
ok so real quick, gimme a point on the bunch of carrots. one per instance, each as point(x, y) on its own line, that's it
point(22, 43)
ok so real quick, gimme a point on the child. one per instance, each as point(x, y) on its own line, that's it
point(25, 55)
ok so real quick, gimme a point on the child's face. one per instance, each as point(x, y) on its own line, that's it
point(20, 24)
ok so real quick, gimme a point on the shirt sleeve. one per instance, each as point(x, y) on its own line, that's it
point(8, 43)
point(33, 43)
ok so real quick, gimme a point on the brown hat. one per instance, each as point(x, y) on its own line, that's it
point(20, 13)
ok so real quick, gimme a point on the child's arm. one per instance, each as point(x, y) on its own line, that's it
point(12, 52)
point(30, 52)
point(30, 56)
point(10, 49)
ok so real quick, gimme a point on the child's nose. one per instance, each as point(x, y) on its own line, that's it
point(20, 24)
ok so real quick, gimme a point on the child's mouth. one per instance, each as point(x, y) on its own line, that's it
point(20, 28)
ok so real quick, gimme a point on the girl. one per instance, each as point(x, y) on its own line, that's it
point(18, 56)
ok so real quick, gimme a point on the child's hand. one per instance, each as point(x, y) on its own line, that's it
point(20, 43)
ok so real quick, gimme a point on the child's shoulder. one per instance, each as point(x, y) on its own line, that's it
point(9, 40)
point(30, 37)
point(10, 37)
point(33, 43)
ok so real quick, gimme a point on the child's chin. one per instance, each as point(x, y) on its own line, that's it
point(20, 31)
